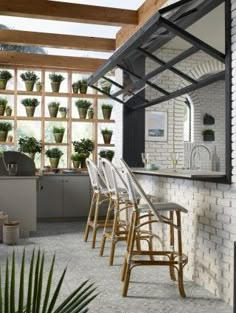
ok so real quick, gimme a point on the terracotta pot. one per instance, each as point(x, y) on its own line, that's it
point(3, 83)
point(29, 85)
point(53, 111)
point(8, 112)
point(54, 162)
point(3, 136)
point(63, 114)
point(83, 88)
point(32, 155)
point(2, 109)
point(107, 138)
point(58, 137)
point(106, 114)
point(90, 115)
point(55, 86)
point(11, 233)
point(82, 112)
point(76, 164)
point(30, 111)
point(75, 89)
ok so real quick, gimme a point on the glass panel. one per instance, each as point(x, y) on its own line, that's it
point(82, 130)
point(49, 136)
point(81, 79)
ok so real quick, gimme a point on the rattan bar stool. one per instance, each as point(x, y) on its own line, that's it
point(160, 214)
point(100, 195)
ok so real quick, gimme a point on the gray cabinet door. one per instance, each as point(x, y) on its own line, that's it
point(50, 197)
point(76, 196)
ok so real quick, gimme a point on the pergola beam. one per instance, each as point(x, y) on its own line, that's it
point(8, 58)
point(17, 37)
point(69, 12)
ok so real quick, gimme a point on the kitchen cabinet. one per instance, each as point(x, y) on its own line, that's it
point(63, 196)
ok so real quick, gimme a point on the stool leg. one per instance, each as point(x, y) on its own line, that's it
point(86, 233)
point(150, 241)
point(114, 232)
point(103, 241)
point(95, 226)
point(172, 244)
point(180, 271)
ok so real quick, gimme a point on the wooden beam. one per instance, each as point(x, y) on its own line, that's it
point(148, 8)
point(8, 58)
point(16, 37)
point(69, 12)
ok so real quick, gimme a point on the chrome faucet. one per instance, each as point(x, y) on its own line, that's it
point(191, 154)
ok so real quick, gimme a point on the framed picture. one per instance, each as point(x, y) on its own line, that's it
point(155, 126)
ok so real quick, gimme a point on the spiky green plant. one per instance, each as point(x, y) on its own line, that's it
point(35, 294)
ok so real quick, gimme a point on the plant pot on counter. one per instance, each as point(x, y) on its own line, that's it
point(11, 233)
point(3, 219)
point(76, 164)
point(54, 162)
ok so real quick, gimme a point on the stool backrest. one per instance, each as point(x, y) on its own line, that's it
point(97, 181)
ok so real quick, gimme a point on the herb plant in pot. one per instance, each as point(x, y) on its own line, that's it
point(5, 76)
point(63, 111)
point(84, 148)
point(53, 108)
point(107, 134)
point(83, 86)
point(56, 80)
point(39, 86)
point(5, 127)
point(208, 135)
point(8, 110)
point(29, 79)
point(83, 106)
point(58, 133)
point(30, 145)
point(76, 158)
point(107, 154)
point(75, 87)
point(106, 111)
point(90, 113)
point(3, 103)
point(54, 156)
point(30, 104)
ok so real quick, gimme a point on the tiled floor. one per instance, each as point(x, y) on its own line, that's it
point(151, 290)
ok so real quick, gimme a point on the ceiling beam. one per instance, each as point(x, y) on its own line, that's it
point(146, 10)
point(8, 58)
point(69, 12)
point(16, 37)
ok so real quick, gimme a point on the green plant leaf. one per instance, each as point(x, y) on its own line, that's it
point(1, 304)
point(12, 292)
point(40, 284)
point(36, 279)
point(6, 302)
point(21, 289)
point(30, 283)
point(49, 284)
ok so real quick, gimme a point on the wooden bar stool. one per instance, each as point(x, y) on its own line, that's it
point(100, 195)
point(156, 213)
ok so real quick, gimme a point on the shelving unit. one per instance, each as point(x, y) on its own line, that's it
point(41, 113)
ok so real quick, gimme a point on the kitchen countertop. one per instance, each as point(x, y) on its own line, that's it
point(18, 177)
point(181, 173)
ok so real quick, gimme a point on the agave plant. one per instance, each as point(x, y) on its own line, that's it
point(35, 294)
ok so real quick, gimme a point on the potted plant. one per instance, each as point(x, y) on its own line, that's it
point(56, 80)
point(106, 86)
point(75, 87)
point(208, 135)
point(39, 86)
point(106, 111)
point(30, 145)
point(29, 79)
point(90, 113)
point(30, 104)
point(82, 106)
point(84, 148)
point(63, 111)
point(83, 85)
point(53, 108)
point(5, 76)
point(107, 134)
point(3, 103)
point(5, 127)
point(76, 158)
point(58, 133)
point(107, 154)
point(31, 286)
point(8, 110)
point(54, 156)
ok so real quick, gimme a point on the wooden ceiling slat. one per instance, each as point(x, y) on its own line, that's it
point(8, 58)
point(16, 37)
point(69, 12)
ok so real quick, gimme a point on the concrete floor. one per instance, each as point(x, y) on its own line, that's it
point(151, 290)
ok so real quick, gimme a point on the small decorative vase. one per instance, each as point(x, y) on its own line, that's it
point(2, 109)
point(29, 85)
point(83, 88)
point(3, 136)
point(30, 111)
point(75, 89)
point(107, 138)
point(58, 137)
point(3, 83)
point(11, 233)
point(63, 114)
point(54, 162)
point(55, 86)
point(53, 111)
point(90, 115)
point(39, 87)
point(106, 114)
point(82, 113)
point(8, 112)
point(76, 164)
